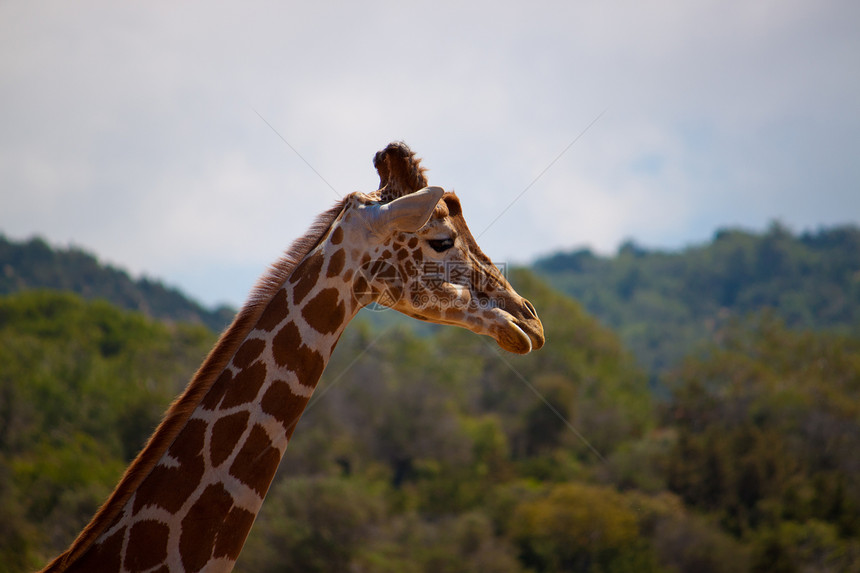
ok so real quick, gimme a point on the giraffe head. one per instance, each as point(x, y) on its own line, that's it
point(422, 260)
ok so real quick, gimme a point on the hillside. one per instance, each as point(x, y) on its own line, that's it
point(34, 264)
point(439, 452)
point(665, 304)
point(443, 453)
point(407, 439)
point(82, 385)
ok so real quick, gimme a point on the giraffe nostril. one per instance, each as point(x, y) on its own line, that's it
point(530, 308)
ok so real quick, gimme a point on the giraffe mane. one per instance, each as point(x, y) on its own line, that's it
point(180, 410)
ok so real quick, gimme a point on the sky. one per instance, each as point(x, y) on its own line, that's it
point(192, 142)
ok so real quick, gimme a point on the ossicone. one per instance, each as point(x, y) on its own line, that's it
point(400, 172)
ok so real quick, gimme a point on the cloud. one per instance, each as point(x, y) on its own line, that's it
point(133, 129)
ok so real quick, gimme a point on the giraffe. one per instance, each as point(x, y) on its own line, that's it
point(189, 499)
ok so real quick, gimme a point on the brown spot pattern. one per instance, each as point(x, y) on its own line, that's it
point(280, 403)
point(256, 462)
point(216, 392)
point(324, 313)
point(169, 487)
point(201, 525)
point(147, 545)
point(189, 442)
point(248, 352)
point(306, 276)
point(309, 366)
point(361, 288)
point(335, 263)
point(290, 352)
point(233, 533)
point(275, 312)
point(337, 236)
point(245, 386)
point(104, 556)
point(286, 344)
point(225, 435)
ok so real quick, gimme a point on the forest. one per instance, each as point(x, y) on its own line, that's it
point(36, 264)
point(664, 304)
point(431, 450)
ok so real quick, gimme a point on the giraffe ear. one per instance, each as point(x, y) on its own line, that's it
point(407, 213)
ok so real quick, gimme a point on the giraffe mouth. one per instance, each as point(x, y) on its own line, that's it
point(519, 331)
point(513, 338)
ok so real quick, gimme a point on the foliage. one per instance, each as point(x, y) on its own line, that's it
point(768, 430)
point(665, 304)
point(434, 451)
point(577, 527)
point(314, 525)
point(82, 385)
point(34, 264)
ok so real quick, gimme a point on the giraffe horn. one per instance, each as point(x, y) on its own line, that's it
point(407, 213)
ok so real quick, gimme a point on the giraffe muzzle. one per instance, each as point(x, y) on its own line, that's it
point(520, 330)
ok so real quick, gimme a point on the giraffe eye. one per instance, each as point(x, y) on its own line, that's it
point(440, 245)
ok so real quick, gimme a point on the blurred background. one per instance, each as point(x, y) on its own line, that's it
point(674, 186)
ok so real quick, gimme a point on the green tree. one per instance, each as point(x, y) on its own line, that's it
point(578, 527)
point(767, 434)
point(665, 304)
point(82, 385)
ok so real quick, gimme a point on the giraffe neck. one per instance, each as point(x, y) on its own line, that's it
point(196, 506)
